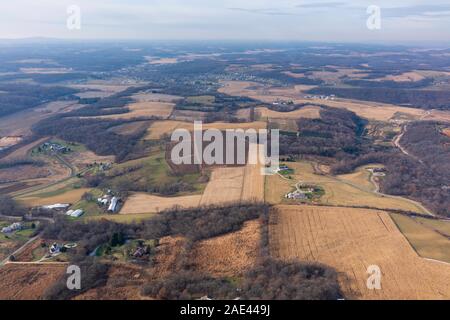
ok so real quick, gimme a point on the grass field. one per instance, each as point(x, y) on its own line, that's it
point(337, 192)
point(350, 240)
point(421, 234)
point(152, 171)
point(360, 177)
point(160, 128)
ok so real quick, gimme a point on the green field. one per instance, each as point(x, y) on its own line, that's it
point(424, 239)
point(152, 174)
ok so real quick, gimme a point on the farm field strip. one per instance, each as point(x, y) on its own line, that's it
point(351, 240)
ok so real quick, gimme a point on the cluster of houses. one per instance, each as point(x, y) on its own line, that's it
point(55, 147)
point(299, 194)
point(57, 248)
point(109, 201)
point(16, 226)
point(279, 102)
point(320, 97)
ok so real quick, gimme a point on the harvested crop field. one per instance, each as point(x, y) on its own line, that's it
point(160, 128)
point(228, 255)
point(143, 109)
point(23, 172)
point(350, 240)
point(404, 77)
point(447, 132)
point(27, 282)
point(147, 203)
point(23, 151)
point(158, 97)
point(234, 184)
point(310, 112)
point(71, 196)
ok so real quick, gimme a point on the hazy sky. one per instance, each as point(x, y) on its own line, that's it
point(319, 20)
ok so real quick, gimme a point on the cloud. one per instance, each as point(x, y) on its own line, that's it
point(270, 12)
point(425, 11)
point(320, 5)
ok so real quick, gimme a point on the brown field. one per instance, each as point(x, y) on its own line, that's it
point(350, 240)
point(71, 197)
point(230, 254)
point(147, 203)
point(437, 115)
point(154, 60)
point(160, 128)
point(404, 77)
point(225, 186)
point(187, 115)
point(24, 172)
point(447, 132)
point(143, 109)
point(157, 97)
point(130, 275)
point(45, 70)
point(234, 184)
point(23, 152)
point(243, 114)
point(9, 141)
point(310, 112)
point(99, 89)
point(27, 282)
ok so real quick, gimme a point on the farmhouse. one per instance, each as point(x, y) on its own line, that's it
point(297, 195)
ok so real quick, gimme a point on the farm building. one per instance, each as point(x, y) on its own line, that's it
point(75, 213)
point(113, 205)
point(56, 206)
point(14, 227)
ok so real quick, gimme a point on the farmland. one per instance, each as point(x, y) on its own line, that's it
point(146, 203)
point(160, 128)
point(351, 240)
point(27, 282)
point(350, 190)
point(143, 109)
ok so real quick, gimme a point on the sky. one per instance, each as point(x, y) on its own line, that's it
point(402, 21)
